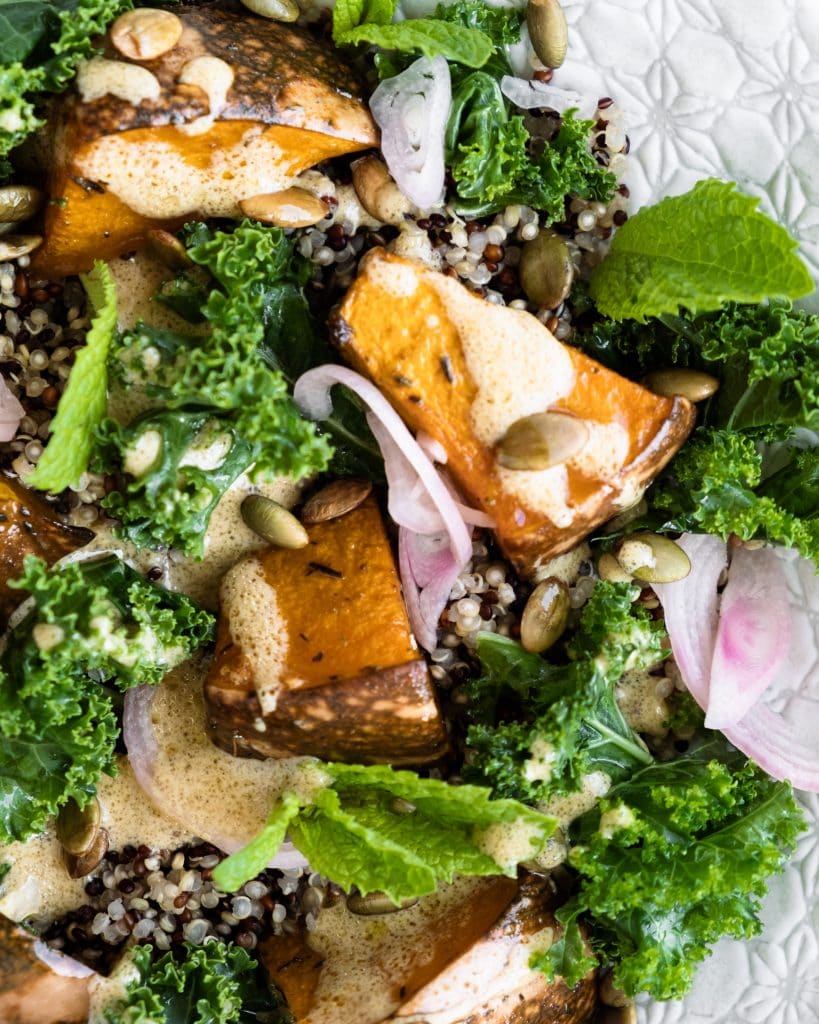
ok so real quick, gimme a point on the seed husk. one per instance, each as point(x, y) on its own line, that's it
point(694, 385)
point(273, 522)
point(12, 247)
point(548, 31)
point(146, 33)
point(542, 440)
point(651, 558)
point(19, 202)
point(545, 615)
point(275, 10)
point(546, 269)
point(609, 569)
point(77, 827)
point(80, 865)
point(377, 191)
point(290, 208)
point(372, 904)
point(334, 500)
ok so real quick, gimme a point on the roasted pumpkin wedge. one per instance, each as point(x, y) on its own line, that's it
point(459, 955)
point(542, 438)
point(29, 526)
point(314, 653)
point(236, 108)
point(30, 992)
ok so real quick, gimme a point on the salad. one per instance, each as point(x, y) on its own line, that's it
point(404, 545)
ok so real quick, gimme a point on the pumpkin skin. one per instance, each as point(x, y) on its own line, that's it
point(30, 992)
point(426, 340)
point(29, 526)
point(292, 104)
point(352, 685)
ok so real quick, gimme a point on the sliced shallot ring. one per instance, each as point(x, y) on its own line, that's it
point(529, 94)
point(753, 635)
point(62, 964)
point(312, 395)
point(143, 752)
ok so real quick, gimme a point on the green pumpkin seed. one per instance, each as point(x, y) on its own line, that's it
point(80, 865)
point(77, 827)
point(650, 558)
point(334, 500)
point(168, 249)
point(12, 247)
point(548, 31)
point(275, 10)
point(375, 903)
point(19, 202)
point(542, 440)
point(545, 615)
point(694, 385)
point(546, 270)
point(609, 569)
point(273, 522)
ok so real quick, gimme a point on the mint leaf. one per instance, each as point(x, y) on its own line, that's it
point(697, 251)
point(83, 402)
point(431, 38)
point(233, 872)
point(347, 14)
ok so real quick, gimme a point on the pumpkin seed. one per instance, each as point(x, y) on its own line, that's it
point(290, 208)
point(146, 33)
point(545, 615)
point(651, 558)
point(548, 31)
point(12, 247)
point(694, 385)
point(77, 827)
point(273, 522)
point(167, 248)
point(377, 192)
point(19, 202)
point(374, 903)
point(546, 269)
point(275, 10)
point(609, 569)
point(334, 500)
point(542, 440)
point(80, 865)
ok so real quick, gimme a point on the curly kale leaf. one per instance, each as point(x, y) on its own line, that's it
point(218, 983)
point(224, 369)
point(494, 162)
point(94, 625)
point(670, 861)
point(541, 727)
point(715, 485)
point(194, 458)
point(42, 42)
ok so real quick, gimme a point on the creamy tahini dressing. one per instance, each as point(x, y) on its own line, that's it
point(249, 600)
point(38, 884)
point(225, 799)
point(154, 178)
point(365, 957)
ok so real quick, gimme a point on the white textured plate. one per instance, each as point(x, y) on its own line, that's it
point(730, 89)
point(723, 88)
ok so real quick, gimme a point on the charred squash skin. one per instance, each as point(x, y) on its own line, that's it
point(406, 339)
point(296, 102)
point(30, 992)
point(353, 685)
point(29, 526)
